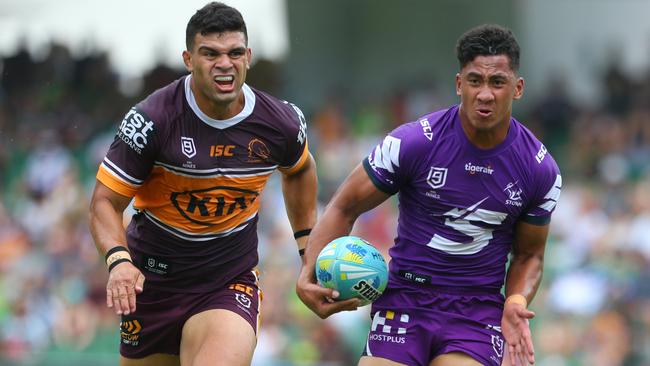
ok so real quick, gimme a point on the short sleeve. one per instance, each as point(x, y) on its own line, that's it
point(130, 157)
point(549, 187)
point(387, 165)
point(297, 147)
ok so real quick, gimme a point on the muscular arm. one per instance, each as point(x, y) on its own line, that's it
point(526, 264)
point(355, 196)
point(299, 190)
point(523, 279)
point(106, 208)
point(124, 280)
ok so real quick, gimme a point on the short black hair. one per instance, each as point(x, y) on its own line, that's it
point(214, 17)
point(487, 40)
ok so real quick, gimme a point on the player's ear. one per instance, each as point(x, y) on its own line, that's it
point(187, 60)
point(458, 84)
point(249, 55)
point(519, 88)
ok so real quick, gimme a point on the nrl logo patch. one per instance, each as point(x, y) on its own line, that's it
point(243, 300)
point(437, 177)
point(187, 146)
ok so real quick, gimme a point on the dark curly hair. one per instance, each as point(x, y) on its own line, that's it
point(487, 40)
point(215, 17)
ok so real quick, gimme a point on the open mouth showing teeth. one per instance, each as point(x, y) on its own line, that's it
point(224, 80)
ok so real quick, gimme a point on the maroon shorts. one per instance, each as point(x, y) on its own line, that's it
point(157, 324)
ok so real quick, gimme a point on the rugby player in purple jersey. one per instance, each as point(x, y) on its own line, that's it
point(196, 156)
point(475, 186)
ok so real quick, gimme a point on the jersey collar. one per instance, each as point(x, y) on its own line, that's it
point(249, 105)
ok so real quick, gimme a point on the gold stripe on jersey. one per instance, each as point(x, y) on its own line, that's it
point(200, 205)
point(299, 163)
point(115, 183)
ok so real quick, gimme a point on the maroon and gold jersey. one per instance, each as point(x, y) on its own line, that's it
point(197, 182)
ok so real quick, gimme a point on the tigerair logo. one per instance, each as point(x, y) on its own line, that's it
point(473, 169)
point(258, 151)
point(130, 332)
point(134, 130)
point(202, 206)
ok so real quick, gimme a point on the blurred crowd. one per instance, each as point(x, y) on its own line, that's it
point(58, 114)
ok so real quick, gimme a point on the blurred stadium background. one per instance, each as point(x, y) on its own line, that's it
point(357, 69)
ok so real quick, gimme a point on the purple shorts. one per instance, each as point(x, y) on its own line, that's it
point(157, 324)
point(412, 324)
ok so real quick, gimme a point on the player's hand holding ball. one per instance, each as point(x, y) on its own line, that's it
point(354, 268)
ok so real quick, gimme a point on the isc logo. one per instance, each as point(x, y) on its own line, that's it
point(134, 130)
point(302, 133)
point(243, 288)
point(221, 150)
point(426, 128)
point(541, 154)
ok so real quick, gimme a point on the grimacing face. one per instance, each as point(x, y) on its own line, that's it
point(487, 86)
point(218, 63)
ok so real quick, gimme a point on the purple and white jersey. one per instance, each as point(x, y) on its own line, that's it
point(458, 204)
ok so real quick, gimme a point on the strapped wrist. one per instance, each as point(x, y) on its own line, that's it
point(115, 249)
point(301, 233)
point(117, 255)
point(517, 299)
point(116, 262)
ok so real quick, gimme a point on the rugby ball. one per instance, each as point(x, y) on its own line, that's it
point(354, 268)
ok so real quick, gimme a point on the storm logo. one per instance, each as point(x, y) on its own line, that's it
point(514, 194)
point(497, 345)
point(201, 206)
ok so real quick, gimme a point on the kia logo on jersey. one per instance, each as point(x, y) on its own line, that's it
point(206, 206)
